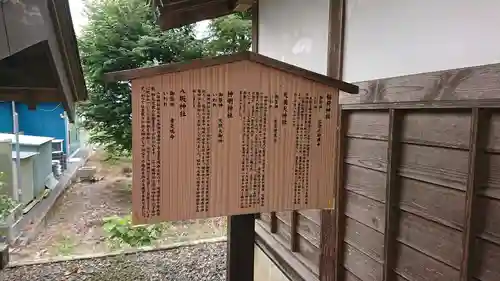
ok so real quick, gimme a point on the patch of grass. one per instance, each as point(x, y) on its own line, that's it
point(65, 246)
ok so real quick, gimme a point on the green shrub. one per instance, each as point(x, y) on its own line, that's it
point(6, 202)
point(120, 230)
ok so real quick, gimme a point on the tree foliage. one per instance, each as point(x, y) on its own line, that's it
point(123, 34)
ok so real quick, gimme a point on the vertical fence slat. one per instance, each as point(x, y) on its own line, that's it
point(335, 228)
point(294, 243)
point(392, 193)
point(274, 222)
point(240, 248)
point(478, 138)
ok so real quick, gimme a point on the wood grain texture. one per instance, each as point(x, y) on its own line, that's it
point(415, 266)
point(472, 83)
point(436, 241)
point(478, 140)
point(216, 170)
point(426, 200)
point(361, 265)
point(486, 259)
point(370, 154)
point(448, 128)
point(490, 185)
point(366, 211)
point(365, 239)
point(441, 166)
point(368, 124)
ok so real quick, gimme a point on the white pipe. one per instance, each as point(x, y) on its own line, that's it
point(15, 118)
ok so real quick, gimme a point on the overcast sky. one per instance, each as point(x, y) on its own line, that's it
point(79, 19)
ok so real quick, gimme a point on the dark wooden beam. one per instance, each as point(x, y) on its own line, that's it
point(274, 223)
point(471, 83)
point(477, 167)
point(30, 95)
point(332, 254)
point(183, 5)
point(177, 15)
point(392, 194)
point(294, 239)
point(255, 26)
point(240, 248)
point(332, 237)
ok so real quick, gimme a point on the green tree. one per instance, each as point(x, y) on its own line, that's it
point(230, 34)
point(123, 34)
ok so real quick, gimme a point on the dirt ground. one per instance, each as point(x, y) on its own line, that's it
point(75, 227)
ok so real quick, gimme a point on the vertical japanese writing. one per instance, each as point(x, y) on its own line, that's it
point(203, 154)
point(153, 152)
point(319, 132)
point(172, 128)
point(144, 190)
point(182, 103)
point(284, 115)
point(230, 104)
point(172, 99)
point(303, 144)
point(157, 142)
point(220, 131)
point(254, 150)
point(328, 108)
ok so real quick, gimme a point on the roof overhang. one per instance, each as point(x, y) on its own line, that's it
point(137, 73)
point(176, 13)
point(39, 60)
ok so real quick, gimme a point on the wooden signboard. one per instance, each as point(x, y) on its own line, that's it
point(231, 135)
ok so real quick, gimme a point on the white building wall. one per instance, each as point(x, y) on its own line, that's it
point(387, 38)
point(295, 31)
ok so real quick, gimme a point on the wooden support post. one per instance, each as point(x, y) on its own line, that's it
point(294, 243)
point(334, 229)
point(241, 229)
point(240, 247)
point(332, 221)
point(478, 139)
point(392, 194)
point(274, 222)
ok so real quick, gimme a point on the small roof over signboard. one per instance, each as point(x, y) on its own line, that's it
point(226, 59)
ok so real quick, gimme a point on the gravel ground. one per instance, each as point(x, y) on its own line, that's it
point(205, 262)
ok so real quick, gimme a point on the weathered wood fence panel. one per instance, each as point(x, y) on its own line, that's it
point(421, 198)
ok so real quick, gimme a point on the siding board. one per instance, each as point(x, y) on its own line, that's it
point(365, 153)
point(368, 124)
point(365, 239)
point(369, 183)
point(425, 198)
point(442, 243)
point(442, 127)
point(366, 211)
point(487, 261)
point(491, 187)
point(361, 265)
point(446, 167)
point(416, 266)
